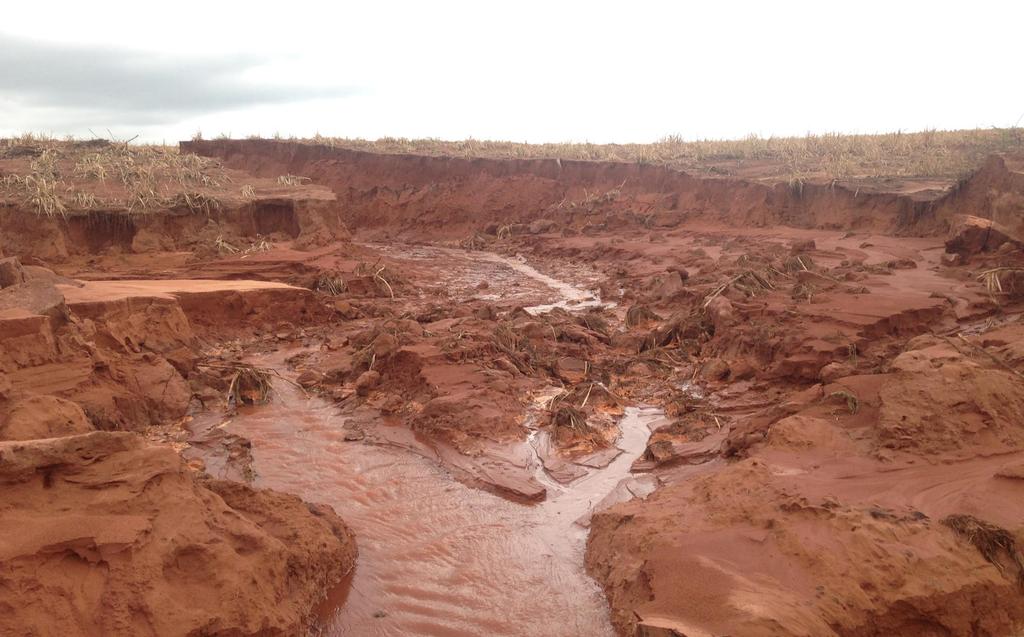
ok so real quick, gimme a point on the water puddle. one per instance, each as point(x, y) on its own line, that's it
point(437, 557)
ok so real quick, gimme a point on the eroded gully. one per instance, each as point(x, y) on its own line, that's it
point(437, 557)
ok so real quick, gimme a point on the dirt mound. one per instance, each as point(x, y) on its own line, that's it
point(831, 525)
point(970, 235)
point(106, 535)
point(748, 551)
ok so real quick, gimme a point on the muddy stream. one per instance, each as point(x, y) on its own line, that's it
point(437, 557)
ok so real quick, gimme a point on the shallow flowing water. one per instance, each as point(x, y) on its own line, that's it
point(570, 297)
point(437, 557)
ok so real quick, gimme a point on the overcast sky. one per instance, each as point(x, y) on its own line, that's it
point(627, 71)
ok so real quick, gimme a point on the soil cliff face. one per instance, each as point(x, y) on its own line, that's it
point(426, 196)
point(141, 547)
point(311, 222)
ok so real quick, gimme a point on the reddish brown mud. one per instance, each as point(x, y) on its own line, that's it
point(839, 366)
point(435, 556)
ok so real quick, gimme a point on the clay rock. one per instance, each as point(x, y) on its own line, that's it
point(571, 370)
point(34, 297)
point(367, 381)
point(683, 273)
point(742, 370)
point(534, 329)
point(722, 314)
point(834, 371)
point(11, 272)
point(971, 235)
point(802, 245)
point(144, 534)
point(147, 240)
point(486, 313)
point(540, 226)
point(347, 310)
point(384, 346)
point(309, 378)
point(951, 259)
point(715, 369)
point(43, 417)
point(668, 285)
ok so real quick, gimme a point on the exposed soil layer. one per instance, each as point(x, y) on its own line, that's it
point(441, 197)
point(105, 534)
point(839, 371)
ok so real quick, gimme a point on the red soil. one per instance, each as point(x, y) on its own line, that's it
point(107, 535)
point(840, 385)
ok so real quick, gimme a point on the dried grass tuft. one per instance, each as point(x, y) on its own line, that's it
point(796, 160)
point(65, 177)
point(994, 543)
point(292, 180)
point(330, 283)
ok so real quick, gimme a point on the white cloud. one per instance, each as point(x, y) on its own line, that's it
point(545, 71)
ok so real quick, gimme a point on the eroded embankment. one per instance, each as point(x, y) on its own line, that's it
point(405, 195)
point(104, 532)
point(306, 217)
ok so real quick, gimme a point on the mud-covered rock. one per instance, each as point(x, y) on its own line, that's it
point(971, 235)
point(571, 370)
point(802, 245)
point(741, 370)
point(11, 272)
point(43, 417)
point(722, 314)
point(34, 297)
point(309, 378)
point(951, 259)
point(715, 369)
point(540, 226)
point(834, 371)
point(367, 381)
point(667, 285)
point(104, 534)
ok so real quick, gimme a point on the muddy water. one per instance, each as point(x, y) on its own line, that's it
point(509, 278)
point(570, 297)
point(437, 557)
